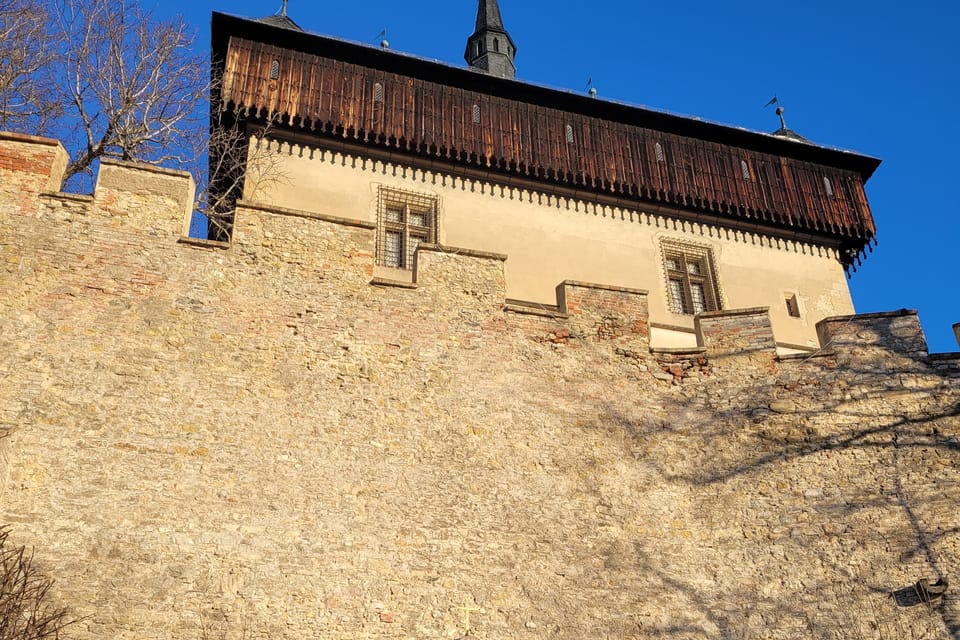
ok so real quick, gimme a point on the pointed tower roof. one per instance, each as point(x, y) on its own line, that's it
point(488, 16)
point(491, 49)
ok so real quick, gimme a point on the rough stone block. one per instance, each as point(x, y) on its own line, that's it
point(161, 196)
point(892, 332)
point(605, 311)
point(464, 275)
point(29, 166)
point(741, 332)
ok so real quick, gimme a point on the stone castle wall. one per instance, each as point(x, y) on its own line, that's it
point(204, 440)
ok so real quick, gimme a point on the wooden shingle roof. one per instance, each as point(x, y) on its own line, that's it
point(457, 116)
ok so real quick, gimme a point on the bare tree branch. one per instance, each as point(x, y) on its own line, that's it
point(26, 610)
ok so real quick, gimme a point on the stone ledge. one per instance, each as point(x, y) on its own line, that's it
point(798, 347)
point(871, 316)
point(387, 282)
point(300, 213)
point(73, 197)
point(730, 313)
point(826, 353)
point(472, 253)
point(23, 137)
point(203, 243)
point(143, 166)
point(679, 351)
point(534, 309)
point(603, 287)
point(672, 327)
point(953, 356)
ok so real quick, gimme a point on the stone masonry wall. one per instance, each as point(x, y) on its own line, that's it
point(260, 440)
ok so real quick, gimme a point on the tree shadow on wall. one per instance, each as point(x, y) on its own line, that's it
point(885, 448)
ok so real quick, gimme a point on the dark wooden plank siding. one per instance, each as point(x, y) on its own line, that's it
point(337, 98)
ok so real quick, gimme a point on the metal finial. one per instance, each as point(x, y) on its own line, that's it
point(283, 9)
point(783, 122)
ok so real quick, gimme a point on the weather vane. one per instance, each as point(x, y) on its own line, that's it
point(780, 111)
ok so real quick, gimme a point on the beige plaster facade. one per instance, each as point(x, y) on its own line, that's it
point(549, 238)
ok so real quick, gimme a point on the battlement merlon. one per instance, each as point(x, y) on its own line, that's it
point(859, 337)
point(736, 332)
point(162, 199)
point(29, 165)
point(608, 312)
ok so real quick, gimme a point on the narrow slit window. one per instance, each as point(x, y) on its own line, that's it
point(275, 70)
point(496, 45)
point(793, 306)
point(745, 170)
point(659, 151)
point(476, 114)
point(569, 134)
point(378, 92)
point(828, 186)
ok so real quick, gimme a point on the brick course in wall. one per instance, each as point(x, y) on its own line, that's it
point(258, 439)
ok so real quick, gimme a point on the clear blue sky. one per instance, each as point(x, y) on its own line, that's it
point(879, 77)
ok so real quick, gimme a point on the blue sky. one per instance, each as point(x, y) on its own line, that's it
point(880, 78)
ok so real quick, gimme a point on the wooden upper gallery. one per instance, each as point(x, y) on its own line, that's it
point(461, 118)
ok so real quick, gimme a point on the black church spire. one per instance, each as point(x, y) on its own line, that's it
point(490, 48)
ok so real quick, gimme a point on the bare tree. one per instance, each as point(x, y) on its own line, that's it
point(107, 77)
point(111, 79)
point(132, 84)
point(243, 161)
point(24, 52)
point(26, 610)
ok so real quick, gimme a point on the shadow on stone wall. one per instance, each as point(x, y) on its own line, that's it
point(855, 467)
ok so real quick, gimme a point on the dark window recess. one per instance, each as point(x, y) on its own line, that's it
point(406, 220)
point(793, 306)
point(691, 285)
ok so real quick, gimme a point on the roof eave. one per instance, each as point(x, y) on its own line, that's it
point(224, 25)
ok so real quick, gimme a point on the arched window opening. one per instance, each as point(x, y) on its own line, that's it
point(659, 151)
point(745, 170)
point(569, 134)
point(828, 186)
point(476, 114)
point(275, 70)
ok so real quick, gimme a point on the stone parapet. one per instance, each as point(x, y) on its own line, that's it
point(29, 165)
point(868, 336)
point(737, 332)
point(157, 199)
point(604, 311)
